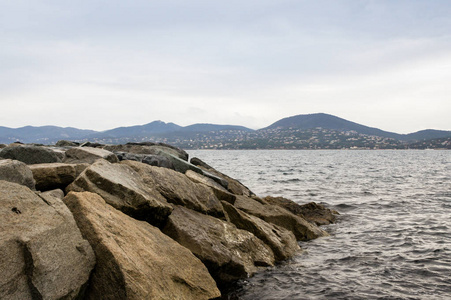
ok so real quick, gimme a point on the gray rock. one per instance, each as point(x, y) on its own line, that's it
point(218, 189)
point(64, 143)
point(149, 149)
point(42, 252)
point(56, 175)
point(88, 155)
point(30, 154)
point(124, 189)
point(134, 259)
point(16, 171)
point(228, 252)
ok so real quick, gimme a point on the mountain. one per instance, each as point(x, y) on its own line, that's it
point(201, 127)
point(42, 134)
point(155, 127)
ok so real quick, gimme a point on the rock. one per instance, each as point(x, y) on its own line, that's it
point(92, 145)
point(64, 143)
point(233, 185)
point(128, 156)
point(124, 189)
point(153, 160)
point(30, 154)
point(16, 171)
point(177, 188)
point(149, 149)
point(56, 193)
point(2, 146)
point(312, 212)
point(57, 175)
point(88, 155)
point(218, 189)
point(228, 252)
point(274, 214)
point(42, 252)
point(134, 259)
point(281, 241)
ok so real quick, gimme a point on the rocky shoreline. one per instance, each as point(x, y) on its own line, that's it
point(135, 221)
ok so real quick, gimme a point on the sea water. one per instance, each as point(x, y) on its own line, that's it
point(392, 239)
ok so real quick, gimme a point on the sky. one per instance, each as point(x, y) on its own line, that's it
point(101, 64)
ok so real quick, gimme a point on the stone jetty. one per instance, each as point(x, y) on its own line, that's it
point(135, 221)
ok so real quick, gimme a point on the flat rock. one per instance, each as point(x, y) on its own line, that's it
point(218, 189)
point(228, 252)
point(124, 189)
point(302, 229)
point(42, 252)
point(16, 171)
point(282, 241)
point(30, 154)
point(56, 175)
point(88, 155)
point(148, 148)
point(177, 188)
point(312, 212)
point(134, 259)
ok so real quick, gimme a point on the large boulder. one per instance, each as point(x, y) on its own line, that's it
point(282, 241)
point(30, 154)
point(56, 175)
point(88, 155)
point(134, 259)
point(124, 189)
point(218, 189)
point(64, 143)
point(233, 185)
point(312, 212)
point(228, 252)
point(153, 160)
point(148, 148)
point(302, 229)
point(16, 171)
point(177, 188)
point(42, 252)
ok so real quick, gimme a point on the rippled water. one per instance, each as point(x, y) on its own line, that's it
point(392, 240)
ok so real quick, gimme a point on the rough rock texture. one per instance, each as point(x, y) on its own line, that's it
point(153, 160)
point(124, 189)
point(233, 185)
point(177, 188)
point(312, 212)
point(42, 252)
point(218, 189)
point(228, 252)
point(148, 148)
point(282, 241)
point(16, 171)
point(56, 193)
point(89, 155)
point(30, 154)
point(302, 229)
point(134, 259)
point(57, 175)
point(64, 143)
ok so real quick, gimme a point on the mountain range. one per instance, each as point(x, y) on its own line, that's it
point(298, 132)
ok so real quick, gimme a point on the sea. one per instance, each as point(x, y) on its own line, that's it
point(392, 239)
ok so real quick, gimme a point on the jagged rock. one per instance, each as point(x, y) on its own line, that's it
point(282, 241)
point(92, 145)
point(30, 154)
point(274, 214)
point(177, 188)
point(42, 252)
point(312, 212)
point(64, 143)
point(56, 175)
point(124, 189)
point(228, 252)
point(16, 171)
point(148, 148)
point(218, 189)
point(88, 155)
point(134, 259)
point(233, 185)
point(153, 160)
point(56, 193)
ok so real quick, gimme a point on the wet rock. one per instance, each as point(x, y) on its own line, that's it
point(56, 175)
point(16, 171)
point(218, 189)
point(134, 259)
point(302, 229)
point(312, 212)
point(282, 241)
point(30, 154)
point(228, 252)
point(233, 185)
point(177, 188)
point(88, 155)
point(42, 252)
point(124, 189)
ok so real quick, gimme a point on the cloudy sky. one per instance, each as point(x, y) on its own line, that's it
point(103, 64)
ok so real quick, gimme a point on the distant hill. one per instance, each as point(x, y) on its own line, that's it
point(212, 127)
point(42, 134)
point(155, 127)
